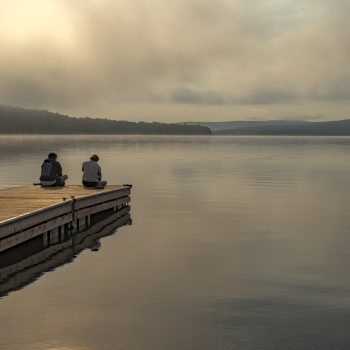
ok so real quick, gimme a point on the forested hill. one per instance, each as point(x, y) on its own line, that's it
point(230, 125)
point(330, 128)
point(15, 120)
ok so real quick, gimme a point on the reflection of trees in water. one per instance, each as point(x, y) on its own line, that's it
point(19, 147)
point(24, 264)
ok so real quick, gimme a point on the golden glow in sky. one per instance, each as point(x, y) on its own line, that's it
point(26, 21)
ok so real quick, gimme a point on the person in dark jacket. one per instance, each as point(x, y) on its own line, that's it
point(51, 172)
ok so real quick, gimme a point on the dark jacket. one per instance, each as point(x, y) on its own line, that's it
point(50, 170)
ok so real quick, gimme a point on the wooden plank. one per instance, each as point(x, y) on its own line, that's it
point(13, 240)
point(43, 209)
point(21, 200)
point(33, 218)
point(83, 202)
point(82, 213)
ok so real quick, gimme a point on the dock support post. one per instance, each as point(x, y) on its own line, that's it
point(61, 232)
point(87, 220)
point(46, 240)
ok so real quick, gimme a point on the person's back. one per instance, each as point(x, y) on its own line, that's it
point(51, 172)
point(92, 174)
point(92, 171)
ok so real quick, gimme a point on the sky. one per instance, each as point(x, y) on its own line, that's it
point(177, 60)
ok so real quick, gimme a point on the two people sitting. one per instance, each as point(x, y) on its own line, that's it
point(51, 173)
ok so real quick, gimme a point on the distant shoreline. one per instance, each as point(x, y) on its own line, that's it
point(173, 135)
point(16, 120)
point(58, 134)
point(280, 128)
point(21, 121)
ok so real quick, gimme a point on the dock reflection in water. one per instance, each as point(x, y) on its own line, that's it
point(25, 263)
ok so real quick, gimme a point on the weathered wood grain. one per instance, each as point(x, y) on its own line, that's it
point(101, 207)
point(21, 200)
point(97, 198)
point(28, 234)
point(30, 210)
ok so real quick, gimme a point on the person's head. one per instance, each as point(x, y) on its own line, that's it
point(95, 158)
point(52, 156)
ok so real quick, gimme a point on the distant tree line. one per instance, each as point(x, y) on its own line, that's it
point(16, 120)
point(329, 128)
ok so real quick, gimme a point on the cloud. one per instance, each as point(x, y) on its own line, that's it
point(101, 55)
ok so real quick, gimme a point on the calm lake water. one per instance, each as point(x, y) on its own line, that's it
point(236, 243)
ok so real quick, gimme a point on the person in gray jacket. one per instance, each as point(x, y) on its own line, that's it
point(92, 175)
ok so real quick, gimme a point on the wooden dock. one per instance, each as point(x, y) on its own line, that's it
point(29, 211)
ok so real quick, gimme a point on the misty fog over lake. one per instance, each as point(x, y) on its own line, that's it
point(236, 243)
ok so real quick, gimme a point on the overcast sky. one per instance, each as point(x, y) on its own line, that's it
point(177, 60)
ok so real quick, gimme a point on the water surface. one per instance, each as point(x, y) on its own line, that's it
point(236, 243)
